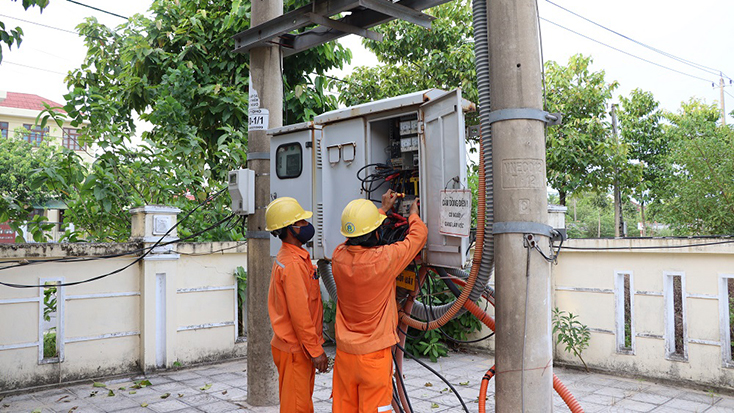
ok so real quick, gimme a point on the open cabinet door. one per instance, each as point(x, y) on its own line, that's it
point(291, 169)
point(442, 170)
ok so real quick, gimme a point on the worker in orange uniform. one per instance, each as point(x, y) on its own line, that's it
point(366, 312)
point(295, 308)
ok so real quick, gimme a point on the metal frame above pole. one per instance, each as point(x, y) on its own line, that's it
point(363, 14)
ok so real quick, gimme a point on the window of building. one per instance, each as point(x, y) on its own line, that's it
point(36, 135)
point(4, 129)
point(71, 138)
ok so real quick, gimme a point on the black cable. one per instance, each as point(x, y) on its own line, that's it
point(149, 249)
point(647, 248)
point(446, 335)
point(99, 277)
point(666, 54)
point(120, 254)
point(458, 396)
point(395, 396)
point(95, 8)
point(622, 51)
point(402, 382)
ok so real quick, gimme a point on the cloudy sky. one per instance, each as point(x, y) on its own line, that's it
point(693, 42)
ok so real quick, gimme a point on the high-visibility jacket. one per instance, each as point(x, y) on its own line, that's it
point(294, 303)
point(366, 312)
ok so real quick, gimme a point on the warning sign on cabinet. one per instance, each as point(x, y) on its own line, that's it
point(455, 212)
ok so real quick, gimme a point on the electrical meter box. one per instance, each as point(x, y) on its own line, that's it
point(413, 143)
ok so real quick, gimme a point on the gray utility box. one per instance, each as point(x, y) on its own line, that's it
point(420, 134)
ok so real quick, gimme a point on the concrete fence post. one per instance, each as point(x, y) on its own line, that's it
point(150, 223)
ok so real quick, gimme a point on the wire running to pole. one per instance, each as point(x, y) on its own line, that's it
point(453, 389)
point(699, 66)
point(627, 53)
point(98, 9)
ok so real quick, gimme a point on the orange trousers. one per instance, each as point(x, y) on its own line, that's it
point(362, 382)
point(296, 375)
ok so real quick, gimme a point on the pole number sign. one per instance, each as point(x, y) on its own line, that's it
point(455, 212)
point(258, 119)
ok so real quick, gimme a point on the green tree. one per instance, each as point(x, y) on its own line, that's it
point(176, 70)
point(642, 131)
point(414, 58)
point(591, 215)
point(20, 161)
point(700, 197)
point(580, 153)
point(15, 36)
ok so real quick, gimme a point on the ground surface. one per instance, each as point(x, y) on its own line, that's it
point(223, 388)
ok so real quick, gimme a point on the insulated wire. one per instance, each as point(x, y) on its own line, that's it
point(525, 329)
point(627, 53)
point(662, 247)
point(158, 243)
point(666, 54)
point(149, 249)
point(79, 259)
point(458, 396)
point(402, 383)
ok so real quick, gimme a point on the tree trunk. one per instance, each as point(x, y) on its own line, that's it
point(642, 215)
point(562, 197)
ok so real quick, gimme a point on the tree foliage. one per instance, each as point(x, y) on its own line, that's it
point(580, 153)
point(15, 36)
point(175, 70)
point(19, 163)
point(641, 130)
point(414, 58)
point(700, 193)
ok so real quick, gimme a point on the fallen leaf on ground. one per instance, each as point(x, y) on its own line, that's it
point(165, 395)
point(98, 384)
point(206, 387)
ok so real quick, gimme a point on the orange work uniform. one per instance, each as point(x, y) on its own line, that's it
point(366, 319)
point(296, 314)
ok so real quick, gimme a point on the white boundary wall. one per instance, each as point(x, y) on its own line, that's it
point(177, 306)
point(590, 284)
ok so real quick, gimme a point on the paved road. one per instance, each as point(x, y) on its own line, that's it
point(223, 388)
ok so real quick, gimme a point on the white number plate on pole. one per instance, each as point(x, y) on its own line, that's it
point(258, 119)
point(455, 213)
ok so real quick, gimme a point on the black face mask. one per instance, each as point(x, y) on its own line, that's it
point(305, 234)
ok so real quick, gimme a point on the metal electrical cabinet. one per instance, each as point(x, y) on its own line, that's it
point(422, 131)
point(295, 172)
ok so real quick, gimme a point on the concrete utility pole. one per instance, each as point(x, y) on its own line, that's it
point(618, 221)
point(524, 355)
point(721, 93)
point(266, 80)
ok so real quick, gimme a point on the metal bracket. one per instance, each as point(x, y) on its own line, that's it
point(525, 113)
point(251, 156)
point(344, 27)
point(257, 235)
point(523, 228)
point(398, 11)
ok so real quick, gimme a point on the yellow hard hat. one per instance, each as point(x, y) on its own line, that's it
point(360, 217)
point(283, 212)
